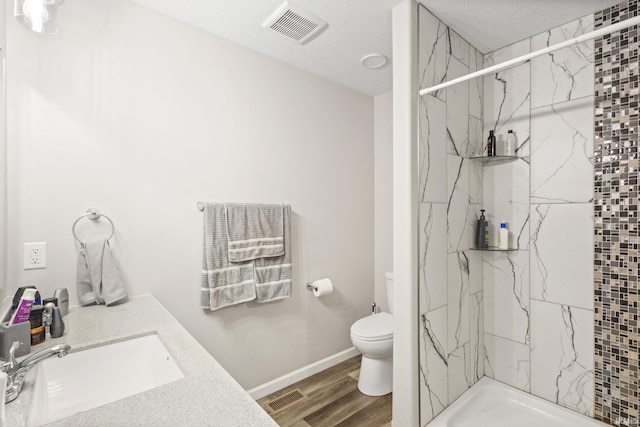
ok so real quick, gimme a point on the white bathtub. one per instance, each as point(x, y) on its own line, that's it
point(490, 403)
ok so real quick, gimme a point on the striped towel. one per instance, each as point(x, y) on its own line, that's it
point(223, 283)
point(273, 274)
point(254, 231)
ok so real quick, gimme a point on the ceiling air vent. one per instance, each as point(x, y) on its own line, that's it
point(294, 23)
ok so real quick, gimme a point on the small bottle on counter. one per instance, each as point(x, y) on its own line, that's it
point(23, 307)
point(491, 144)
point(47, 315)
point(37, 328)
point(503, 236)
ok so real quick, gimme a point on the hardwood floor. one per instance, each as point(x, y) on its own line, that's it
point(328, 398)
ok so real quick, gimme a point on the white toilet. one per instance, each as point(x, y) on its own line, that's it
point(373, 337)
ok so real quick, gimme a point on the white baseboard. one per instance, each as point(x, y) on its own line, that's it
point(302, 373)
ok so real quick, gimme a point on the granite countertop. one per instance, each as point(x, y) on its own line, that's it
point(207, 395)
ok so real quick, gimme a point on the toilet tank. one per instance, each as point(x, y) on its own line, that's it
point(389, 279)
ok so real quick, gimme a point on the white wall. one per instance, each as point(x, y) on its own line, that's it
point(141, 116)
point(405, 214)
point(3, 156)
point(383, 194)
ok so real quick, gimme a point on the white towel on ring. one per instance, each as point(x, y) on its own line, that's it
point(98, 279)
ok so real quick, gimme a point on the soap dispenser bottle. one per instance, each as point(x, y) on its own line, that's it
point(482, 232)
point(57, 325)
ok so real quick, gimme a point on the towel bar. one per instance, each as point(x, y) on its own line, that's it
point(92, 214)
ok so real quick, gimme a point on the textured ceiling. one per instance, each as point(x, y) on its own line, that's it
point(360, 27)
point(492, 24)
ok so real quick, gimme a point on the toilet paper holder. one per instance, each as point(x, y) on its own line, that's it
point(320, 287)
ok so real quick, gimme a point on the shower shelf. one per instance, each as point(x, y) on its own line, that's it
point(494, 249)
point(494, 158)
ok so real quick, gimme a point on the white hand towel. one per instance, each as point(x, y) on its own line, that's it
point(112, 289)
point(87, 293)
point(98, 277)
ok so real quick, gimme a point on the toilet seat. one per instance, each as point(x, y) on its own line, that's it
point(373, 328)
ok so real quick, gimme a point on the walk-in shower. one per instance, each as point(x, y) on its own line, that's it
point(548, 316)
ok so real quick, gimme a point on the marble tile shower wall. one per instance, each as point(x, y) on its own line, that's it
point(538, 300)
point(617, 338)
point(451, 298)
point(529, 314)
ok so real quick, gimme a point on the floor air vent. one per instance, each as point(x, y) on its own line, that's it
point(286, 400)
point(294, 23)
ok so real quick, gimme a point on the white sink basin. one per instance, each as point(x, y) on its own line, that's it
point(91, 378)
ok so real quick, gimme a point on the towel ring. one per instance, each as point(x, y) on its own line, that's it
point(93, 214)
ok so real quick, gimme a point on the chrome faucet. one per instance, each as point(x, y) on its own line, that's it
point(17, 370)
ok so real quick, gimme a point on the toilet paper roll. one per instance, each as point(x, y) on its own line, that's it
point(322, 287)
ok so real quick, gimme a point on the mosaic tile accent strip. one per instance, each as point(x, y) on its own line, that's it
point(617, 376)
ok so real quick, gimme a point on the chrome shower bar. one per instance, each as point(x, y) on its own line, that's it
point(524, 58)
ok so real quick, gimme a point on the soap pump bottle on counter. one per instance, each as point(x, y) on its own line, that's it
point(57, 324)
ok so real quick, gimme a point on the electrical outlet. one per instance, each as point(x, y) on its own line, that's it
point(35, 255)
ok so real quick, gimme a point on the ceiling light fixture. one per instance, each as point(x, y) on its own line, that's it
point(374, 61)
point(37, 15)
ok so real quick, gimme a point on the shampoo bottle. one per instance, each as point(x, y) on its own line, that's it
point(491, 144)
point(482, 232)
point(23, 311)
point(503, 236)
point(510, 146)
